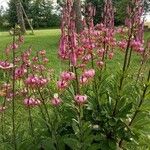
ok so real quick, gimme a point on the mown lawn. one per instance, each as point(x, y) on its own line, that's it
point(43, 39)
point(49, 39)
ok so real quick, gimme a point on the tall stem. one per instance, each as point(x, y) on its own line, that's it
point(139, 105)
point(44, 117)
point(94, 81)
point(6, 75)
point(142, 99)
point(142, 64)
point(80, 115)
point(45, 107)
point(13, 98)
point(77, 81)
point(54, 130)
point(2, 125)
point(31, 122)
point(123, 70)
point(29, 110)
point(129, 60)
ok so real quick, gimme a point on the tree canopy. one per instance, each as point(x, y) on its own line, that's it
point(40, 13)
point(120, 7)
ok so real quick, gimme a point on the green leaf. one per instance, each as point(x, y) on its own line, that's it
point(61, 144)
point(112, 144)
point(48, 144)
point(72, 143)
point(125, 110)
point(95, 147)
point(112, 122)
point(75, 126)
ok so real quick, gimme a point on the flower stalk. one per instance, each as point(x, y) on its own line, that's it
point(13, 98)
point(139, 105)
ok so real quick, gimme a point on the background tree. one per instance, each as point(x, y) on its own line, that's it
point(12, 15)
point(20, 18)
point(121, 11)
point(40, 12)
point(77, 9)
point(99, 4)
point(120, 7)
point(147, 5)
point(1, 16)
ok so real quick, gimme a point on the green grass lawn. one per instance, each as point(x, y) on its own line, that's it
point(43, 39)
point(49, 39)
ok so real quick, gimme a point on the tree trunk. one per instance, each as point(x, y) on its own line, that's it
point(20, 16)
point(27, 19)
point(77, 9)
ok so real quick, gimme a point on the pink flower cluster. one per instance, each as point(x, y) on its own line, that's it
point(79, 49)
point(56, 101)
point(26, 57)
point(100, 64)
point(67, 76)
point(2, 108)
point(42, 52)
point(87, 75)
point(134, 28)
point(80, 99)
point(65, 79)
point(6, 86)
point(20, 72)
point(31, 102)
point(10, 95)
point(35, 81)
point(14, 46)
point(122, 44)
point(38, 68)
point(40, 58)
point(5, 65)
point(137, 46)
point(108, 14)
point(21, 39)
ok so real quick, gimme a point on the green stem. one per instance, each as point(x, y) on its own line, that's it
point(54, 131)
point(80, 116)
point(45, 107)
point(31, 122)
point(2, 126)
point(129, 60)
point(4, 104)
point(29, 110)
point(44, 117)
point(106, 56)
point(141, 66)
point(95, 87)
point(142, 99)
point(139, 105)
point(123, 70)
point(13, 99)
point(77, 81)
